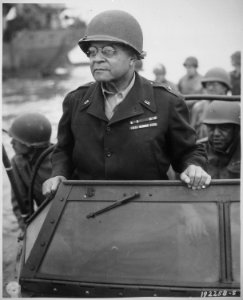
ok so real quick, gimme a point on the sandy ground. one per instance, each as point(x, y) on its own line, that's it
point(29, 95)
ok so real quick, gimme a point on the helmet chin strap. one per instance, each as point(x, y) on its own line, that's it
point(34, 153)
point(217, 150)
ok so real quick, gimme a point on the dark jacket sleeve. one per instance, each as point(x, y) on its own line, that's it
point(44, 172)
point(182, 139)
point(23, 191)
point(62, 154)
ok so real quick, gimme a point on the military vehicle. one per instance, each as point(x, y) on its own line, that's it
point(134, 239)
point(38, 36)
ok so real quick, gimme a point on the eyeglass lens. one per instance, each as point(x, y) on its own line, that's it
point(106, 51)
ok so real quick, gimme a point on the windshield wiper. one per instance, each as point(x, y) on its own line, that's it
point(114, 205)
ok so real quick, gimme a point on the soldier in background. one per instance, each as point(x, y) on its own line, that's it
point(215, 82)
point(191, 82)
point(160, 76)
point(222, 119)
point(30, 134)
point(235, 75)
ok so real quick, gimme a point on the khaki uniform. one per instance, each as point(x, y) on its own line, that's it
point(190, 85)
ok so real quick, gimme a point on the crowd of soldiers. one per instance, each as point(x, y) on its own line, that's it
point(193, 82)
point(217, 123)
point(217, 126)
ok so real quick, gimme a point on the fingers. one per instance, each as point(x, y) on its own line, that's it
point(185, 178)
point(50, 186)
point(208, 180)
point(46, 187)
point(195, 177)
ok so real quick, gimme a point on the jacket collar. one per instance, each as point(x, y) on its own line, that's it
point(93, 102)
point(138, 98)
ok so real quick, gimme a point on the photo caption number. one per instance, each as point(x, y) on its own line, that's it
point(219, 293)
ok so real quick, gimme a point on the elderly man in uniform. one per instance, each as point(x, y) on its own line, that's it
point(122, 126)
point(223, 143)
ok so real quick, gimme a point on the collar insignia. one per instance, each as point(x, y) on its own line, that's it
point(86, 102)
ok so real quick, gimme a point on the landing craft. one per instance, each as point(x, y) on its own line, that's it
point(38, 37)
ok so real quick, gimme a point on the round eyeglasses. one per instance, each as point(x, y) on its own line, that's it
point(106, 51)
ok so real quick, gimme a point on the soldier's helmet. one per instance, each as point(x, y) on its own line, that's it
point(114, 26)
point(191, 61)
point(31, 129)
point(222, 112)
point(217, 75)
point(159, 69)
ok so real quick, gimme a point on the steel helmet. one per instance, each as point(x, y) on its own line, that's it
point(218, 75)
point(191, 61)
point(114, 26)
point(31, 129)
point(222, 112)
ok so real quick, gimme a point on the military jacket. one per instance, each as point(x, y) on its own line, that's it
point(235, 80)
point(225, 165)
point(197, 118)
point(22, 171)
point(190, 85)
point(149, 131)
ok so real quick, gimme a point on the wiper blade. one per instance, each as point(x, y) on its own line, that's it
point(114, 205)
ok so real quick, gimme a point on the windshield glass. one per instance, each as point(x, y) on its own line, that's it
point(139, 243)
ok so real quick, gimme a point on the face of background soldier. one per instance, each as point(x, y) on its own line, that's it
point(215, 88)
point(190, 70)
point(220, 136)
point(20, 148)
point(117, 69)
point(159, 75)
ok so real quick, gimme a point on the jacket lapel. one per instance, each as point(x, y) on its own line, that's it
point(93, 101)
point(140, 96)
point(141, 93)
